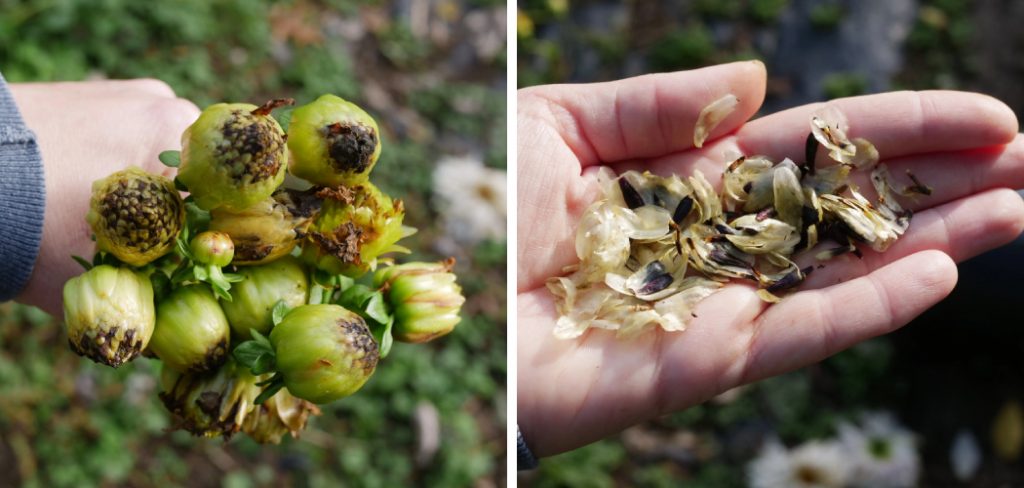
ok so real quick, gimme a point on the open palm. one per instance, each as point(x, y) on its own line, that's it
point(572, 392)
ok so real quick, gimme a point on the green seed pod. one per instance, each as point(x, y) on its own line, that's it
point(213, 248)
point(234, 155)
point(425, 298)
point(192, 333)
point(254, 297)
point(136, 216)
point(333, 142)
point(268, 230)
point(281, 414)
point(109, 314)
point(212, 403)
point(354, 227)
point(324, 352)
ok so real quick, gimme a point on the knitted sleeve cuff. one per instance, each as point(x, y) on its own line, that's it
point(22, 198)
point(526, 459)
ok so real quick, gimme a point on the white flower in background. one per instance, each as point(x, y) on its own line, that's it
point(883, 453)
point(471, 199)
point(814, 464)
point(965, 456)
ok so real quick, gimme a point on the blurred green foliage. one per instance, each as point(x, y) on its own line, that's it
point(799, 406)
point(65, 421)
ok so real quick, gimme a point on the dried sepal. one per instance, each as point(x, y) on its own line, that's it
point(712, 115)
point(829, 128)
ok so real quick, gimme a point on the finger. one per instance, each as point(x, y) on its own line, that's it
point(812, 325)
point(133, 88)
point(961, 229)
point(649, 115)
point(954, 175)
point(897, 123)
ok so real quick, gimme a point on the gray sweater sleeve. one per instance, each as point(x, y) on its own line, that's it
point(22, 198)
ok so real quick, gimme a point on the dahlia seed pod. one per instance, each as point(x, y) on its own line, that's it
point(135, 216)
point(425, 299)
point(234, 155)
point(269, 229)
point(210, 404)
point(323, 352)
point(254, 297)
point(333, 142)
point(192, 333)
point(355, 226)
point(109, 314)
point(212, 248)
point(281, 414)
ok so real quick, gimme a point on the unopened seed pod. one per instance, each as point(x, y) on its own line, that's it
point(210, 404)
point(324, 352)
point(254, 297)
point(192, 333)
point(425, 299)
point(355, 226)
point(212, 248)
point(109, 314)
point(135, 215)
point(234, 155)
point(268, 230)
point(333, 142)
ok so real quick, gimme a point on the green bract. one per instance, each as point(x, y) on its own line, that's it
point(213, 248)
point(213, 403)
point(281, 414)
point(109, 314)
point(261, 288)
point(354, 227)
point(269, 229)
point(333, 142)
point(135, 216)
point(323, 352)
point(233, 156)
point(191, 333)
point(425, 299)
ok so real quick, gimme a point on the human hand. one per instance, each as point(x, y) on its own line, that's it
point(573, 392)
point(85, 131)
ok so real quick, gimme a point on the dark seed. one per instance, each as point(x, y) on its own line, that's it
point(683, 210)
point(810, 152)
point(809, 216)
point(630, 194)
point(655, 285)
point(724, 229)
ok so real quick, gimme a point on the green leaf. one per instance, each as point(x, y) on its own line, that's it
point(178, 185)
point(376, 308)
point(196, 218)
point(201, 273)
point(278, 312)
point(356, 296)
point(386, 339)
point(284, 117)
point(263, 364)
point(249, 352)
point(161, 285)
point(262, 339)
point(171, 159)
point(322, 278)
point(276, 383)
point(82, 261)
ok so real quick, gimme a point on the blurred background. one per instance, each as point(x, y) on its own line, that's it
point(952, 379)
point(433, 74)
